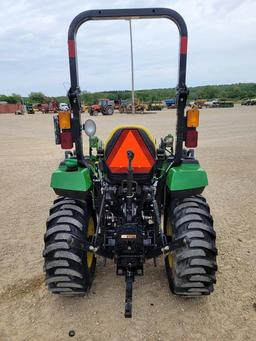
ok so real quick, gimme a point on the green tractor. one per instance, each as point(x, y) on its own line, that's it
point(129, 200)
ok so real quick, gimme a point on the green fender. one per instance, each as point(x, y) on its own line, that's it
point(187, 176)
point(71, 180)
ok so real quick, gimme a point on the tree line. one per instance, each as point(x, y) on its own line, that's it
point(234, 92)
point(32, 98)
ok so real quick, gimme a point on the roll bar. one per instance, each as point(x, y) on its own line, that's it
point(117, 14)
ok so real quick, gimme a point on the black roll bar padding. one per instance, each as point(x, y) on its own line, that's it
point(125, 14)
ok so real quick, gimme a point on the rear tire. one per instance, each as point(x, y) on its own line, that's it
point(191, 268)
point(109, 110)
point(69, 271)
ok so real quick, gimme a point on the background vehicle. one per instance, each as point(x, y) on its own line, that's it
point(211, 104)
point(171, 103)
point(155, 106)
point(25, 108)
point(219, 104)
point(105, 106)
point(126, 107)
point(251, 101)
point(200, 103)
point(63, 107)
point(111, 201)
point(46, 107)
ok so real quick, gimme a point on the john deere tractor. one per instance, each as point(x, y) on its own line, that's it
point(129, 199)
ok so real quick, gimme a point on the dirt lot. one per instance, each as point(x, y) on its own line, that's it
point(227, 141)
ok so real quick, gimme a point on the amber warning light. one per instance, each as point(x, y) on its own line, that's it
point(192, 122)
point(64, 130)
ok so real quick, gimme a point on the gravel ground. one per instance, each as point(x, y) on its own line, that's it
point(227, 141)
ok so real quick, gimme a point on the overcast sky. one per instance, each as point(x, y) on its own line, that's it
point(33, 49)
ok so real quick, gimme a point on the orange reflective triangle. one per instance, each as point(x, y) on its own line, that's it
point(130, 139)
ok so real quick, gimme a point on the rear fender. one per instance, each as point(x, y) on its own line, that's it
point(74, 183)
point(186, 179)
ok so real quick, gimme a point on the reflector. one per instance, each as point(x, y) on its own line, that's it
point(191, 138)
point(192, 118)
point(64, 120)
point(130, 139)
point(66, 140)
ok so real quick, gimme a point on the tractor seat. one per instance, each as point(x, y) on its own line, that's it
point(136, 139)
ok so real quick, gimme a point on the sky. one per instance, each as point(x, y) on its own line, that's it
point(33, 45)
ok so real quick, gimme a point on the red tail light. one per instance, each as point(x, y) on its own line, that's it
point(66, 140)
point(191, 138)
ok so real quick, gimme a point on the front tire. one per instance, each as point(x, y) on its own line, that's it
point(191, 268)
point(69, 271)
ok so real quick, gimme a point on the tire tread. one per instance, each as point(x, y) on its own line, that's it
point(193, 272)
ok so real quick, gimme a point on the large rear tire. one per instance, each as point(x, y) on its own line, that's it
point(69, 271)
point(191, 268)
point(108, 110)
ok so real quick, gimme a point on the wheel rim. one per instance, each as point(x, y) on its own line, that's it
point(89, 235)
point(169, 234)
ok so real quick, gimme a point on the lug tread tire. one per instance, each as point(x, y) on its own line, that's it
point(71, 221)
point(190, 204)
point(59, 214)
point(58, 228)
point(194, 264)
point(66, 268)
point(60, 203)
point(204, 227)
point(56, 264)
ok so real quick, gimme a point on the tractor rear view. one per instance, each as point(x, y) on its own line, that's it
point(129, 199)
